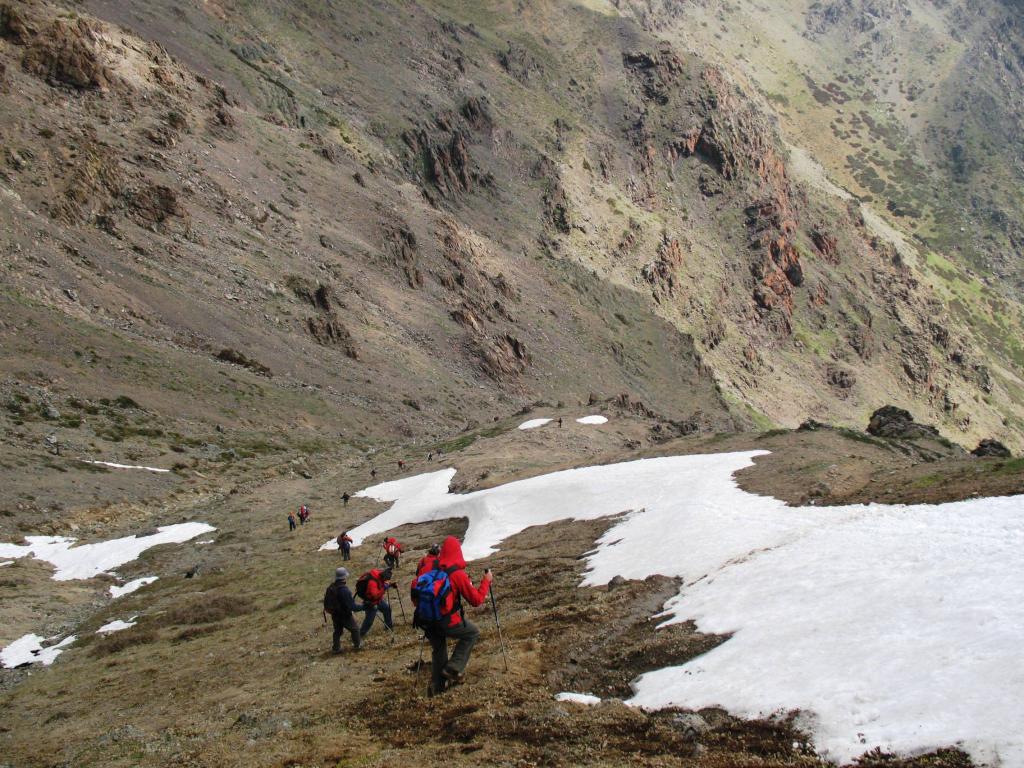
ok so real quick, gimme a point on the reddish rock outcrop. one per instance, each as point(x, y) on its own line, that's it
point(662, 273)
point(66, 53)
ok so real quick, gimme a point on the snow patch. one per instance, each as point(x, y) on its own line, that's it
point(578, 698)
point(88, 560)
point(534, 423)
point(116, 626)
point(595, 419)
point(131, 586)
point(123, 466)
point(6, 562)
point(29, 649)
point(894, 627)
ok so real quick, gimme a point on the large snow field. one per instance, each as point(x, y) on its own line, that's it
point(87, 560)
point(897, 627)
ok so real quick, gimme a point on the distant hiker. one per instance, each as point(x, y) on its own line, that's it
point(429, 561)
point(303, 514)
point(291, 521)
point(372, 587)
point(438, 595)
point(373, 473)
point(392, 552)
point(344, 498)
point(401, 464)
point(559, 422)
point(345, 545)
point(339, 603)
point(430, 456)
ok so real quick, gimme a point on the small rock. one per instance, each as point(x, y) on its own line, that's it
point(616, 582)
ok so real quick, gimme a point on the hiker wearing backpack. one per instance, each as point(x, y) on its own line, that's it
point(392, 552)
point(339, 603)
point(429, 561)
point(372, 587)
point(438, 594)
point(345, 545)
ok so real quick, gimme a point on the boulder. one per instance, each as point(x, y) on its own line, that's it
point(890, 421)
point(990, 447)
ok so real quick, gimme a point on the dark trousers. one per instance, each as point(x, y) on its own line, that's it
point(371, 614)
point(341, 623)
point(466, 634)
point(346, 551)
point(291, 524)
point(391, 561)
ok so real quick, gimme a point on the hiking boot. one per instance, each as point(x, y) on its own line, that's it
point(452, 675)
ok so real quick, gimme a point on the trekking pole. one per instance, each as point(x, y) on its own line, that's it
point(497, 623)
point(419, 664)
point(401, 604)
point(389, 629)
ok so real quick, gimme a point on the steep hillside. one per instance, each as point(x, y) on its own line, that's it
point(394, 222)
point(914, 110)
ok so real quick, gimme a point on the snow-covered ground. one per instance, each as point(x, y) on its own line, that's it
point(578, 698)
point(88, 560)
point(534, 423)
point(889, 626)
point(131, 586)
point(116, 626)
point(29, 649)
point(123, 466)
point(595, 419)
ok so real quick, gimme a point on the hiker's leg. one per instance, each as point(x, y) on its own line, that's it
point(353, 628)
point(371, 612)
point(339, 627)
point(385, 611)
point(438, 658)
point(466, 633)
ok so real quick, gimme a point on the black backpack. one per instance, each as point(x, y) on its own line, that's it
point(362, 582)
point(331, 602)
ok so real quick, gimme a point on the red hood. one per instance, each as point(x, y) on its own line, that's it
point(451, 554)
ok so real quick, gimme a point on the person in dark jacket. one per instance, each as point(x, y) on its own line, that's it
point(447, 671)
point(338, 602)
point(377, 587)
point(344, 498)
point(345, 545)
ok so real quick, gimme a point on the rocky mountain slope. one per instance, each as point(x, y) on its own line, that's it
point(275, 247)
point(302, 223)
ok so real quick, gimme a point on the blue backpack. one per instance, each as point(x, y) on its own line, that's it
point(435, 600)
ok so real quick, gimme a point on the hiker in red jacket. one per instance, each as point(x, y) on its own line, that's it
point(392, 552)
point(429, 560)
point(373, 588)
point(447, 671)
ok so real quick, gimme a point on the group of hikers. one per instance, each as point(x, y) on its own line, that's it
point(303, 517)
point(436, 591)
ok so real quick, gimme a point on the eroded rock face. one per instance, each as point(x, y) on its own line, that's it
point(325, 326)
point(662, 273)
point(890, 421)
point(504, 356)
point(400, 248)
point(65, 53)
point(155, 203)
